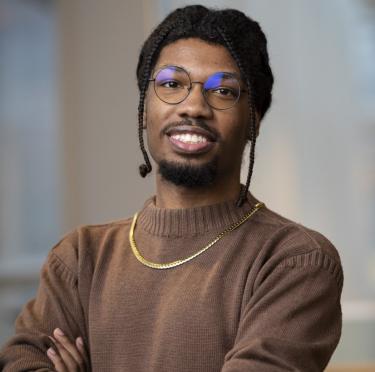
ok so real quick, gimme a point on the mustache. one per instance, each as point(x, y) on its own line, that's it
point(200, 123)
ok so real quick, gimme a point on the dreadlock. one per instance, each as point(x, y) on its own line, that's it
point(252, 127)
point(146, 64)
point(245, 41)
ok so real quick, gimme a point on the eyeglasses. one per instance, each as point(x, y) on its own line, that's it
point(172, 84)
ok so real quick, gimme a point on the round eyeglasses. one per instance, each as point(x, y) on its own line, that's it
point(172, 84)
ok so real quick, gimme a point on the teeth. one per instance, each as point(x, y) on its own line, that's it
point(189, 138)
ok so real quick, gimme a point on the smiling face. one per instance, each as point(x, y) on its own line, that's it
point(192, 133)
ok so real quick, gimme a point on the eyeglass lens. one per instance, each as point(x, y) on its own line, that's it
point(173, 84)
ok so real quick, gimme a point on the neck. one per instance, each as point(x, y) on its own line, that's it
point(171, 196)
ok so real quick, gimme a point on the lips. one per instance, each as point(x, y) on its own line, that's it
point(190, 140)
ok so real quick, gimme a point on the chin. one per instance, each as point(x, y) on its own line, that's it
point(188, 175)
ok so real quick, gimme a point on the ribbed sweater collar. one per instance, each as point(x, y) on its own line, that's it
point(191, 221)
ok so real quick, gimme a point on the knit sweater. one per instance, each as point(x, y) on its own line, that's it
point(266, 297)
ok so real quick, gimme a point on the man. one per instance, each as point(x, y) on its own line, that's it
point(205, 277)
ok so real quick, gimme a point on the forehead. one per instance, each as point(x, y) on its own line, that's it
point(197, 57)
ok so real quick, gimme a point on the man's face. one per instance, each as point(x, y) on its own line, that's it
point(220, 134)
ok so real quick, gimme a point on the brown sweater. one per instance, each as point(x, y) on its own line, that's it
point(266, 297)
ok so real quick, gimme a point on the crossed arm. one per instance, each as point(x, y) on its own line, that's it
point(275, 350)
point(301, 335)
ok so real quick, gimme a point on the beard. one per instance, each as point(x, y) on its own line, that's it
point(187, 175)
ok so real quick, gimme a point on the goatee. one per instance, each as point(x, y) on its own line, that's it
point(188, 175)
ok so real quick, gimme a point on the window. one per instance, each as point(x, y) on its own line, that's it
point(29, 172)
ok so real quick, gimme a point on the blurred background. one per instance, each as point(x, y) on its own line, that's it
point(68, 134)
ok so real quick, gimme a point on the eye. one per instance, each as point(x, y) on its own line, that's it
point(224, 92)
point(172, 84)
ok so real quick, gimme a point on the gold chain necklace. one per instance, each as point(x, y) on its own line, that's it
point(161, 266)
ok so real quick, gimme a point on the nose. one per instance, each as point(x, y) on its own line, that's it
point(195, 105)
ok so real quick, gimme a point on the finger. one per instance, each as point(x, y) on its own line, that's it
point(70, 347)
point(56, 360)
point(70, 364)
point(81, 347)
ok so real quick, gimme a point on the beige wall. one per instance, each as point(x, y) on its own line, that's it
point(100, 41)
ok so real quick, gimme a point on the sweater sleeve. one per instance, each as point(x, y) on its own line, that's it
point(55, 305)
point(292, 319)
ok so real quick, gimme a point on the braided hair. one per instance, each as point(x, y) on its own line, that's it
point(245, 41)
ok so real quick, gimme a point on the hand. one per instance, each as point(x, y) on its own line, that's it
point(70, 356)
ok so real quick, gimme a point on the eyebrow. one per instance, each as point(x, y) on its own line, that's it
point(234, 73)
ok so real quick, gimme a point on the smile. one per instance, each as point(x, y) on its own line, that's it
point(189, 138)
point(190, 142)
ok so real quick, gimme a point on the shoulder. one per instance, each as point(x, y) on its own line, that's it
point(84, 244)
point(286, 237)
point(288, 245)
